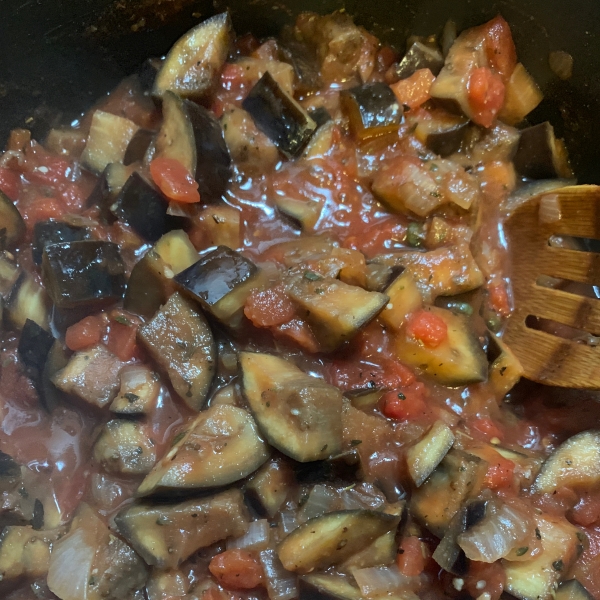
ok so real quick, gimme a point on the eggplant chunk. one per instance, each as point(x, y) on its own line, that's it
point(540, 155)
point(335, 310)
point(139, 391)
point(34, 345)
point(125, 447)
point(221, 281)
point(298, 414)
point(25, 552)
point(86, 273)
point(420, 56)
point(443, 135)
point(92, 375)
point(572, 590)
point(428, 453)
point(405, 298)
point(458, 477)
point(144, 209)
point(327, 587)
point(522, 95)
point(181, 342)
point(382, 551)
point(279, 116)
point(221, 446)
point(372, 109)
point(54, 232)
point(138, 146)
point(27, 301)
point(192, 65)
point(12, 226)
point(269, 487)
point(221, 226)
point(537, 578)
point(107, 141)
point(332, 538)
point(9, 273)
point(575, 463)
point(458, 360)
point(166, 534)
point(505, 371)
point(151, 281)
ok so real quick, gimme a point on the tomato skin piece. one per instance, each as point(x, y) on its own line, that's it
point(483, 428)
point(407, 404)
point(174, 180)
point(121, 340)
point(236, 569)
point(410, 559)
point(500, 48)
point(10, 183)
point(499, 473)
point(414, 90)
point(84, 334)
point(491, 573)
point(499, 299)
point(428, 328)
point(486, 95)
point(587, 511)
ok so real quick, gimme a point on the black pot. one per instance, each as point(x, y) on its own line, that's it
point(57, 56)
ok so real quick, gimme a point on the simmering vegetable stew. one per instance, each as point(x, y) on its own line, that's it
point(252, 306)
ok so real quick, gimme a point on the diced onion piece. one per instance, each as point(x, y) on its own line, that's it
point(289, 522)
point(320, 501)
point(521, 97)
point(362, 496)
point(256, 538)
point(70, 566)
point(378, 581)
point(502, 529)
point(281, 584)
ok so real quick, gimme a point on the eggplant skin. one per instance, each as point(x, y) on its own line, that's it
point(144, 209)
point(279, 116)
point(54, 232)
point(82, 273)
point(12, 225)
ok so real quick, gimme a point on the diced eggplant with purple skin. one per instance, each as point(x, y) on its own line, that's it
point(12, 226)
point(221, 280)
point(139, 392)
point(444, 137)
point(34, 345)
point(420, 56)
point(279, 116)
point(85, 273)
point(220, 447)
point(180, 340)
point(269, 487)
point(144, 209)
point(540, 155)
point(138, 146)
point(193, 64)
point(192, 135)
point(92, 376)
point(167, 534)
point(54, 232)
point(327, 587)
point(27, 300)
point(303, 58)
point(373, 110)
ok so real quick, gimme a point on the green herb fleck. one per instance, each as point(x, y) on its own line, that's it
point(463, 308)
point(163, 520)
point(355, 442)
point(319, 291)
point(433, 167)
point(522, 550)
point(131, 397)
point(123, 320)
point(401, 396)
point(415, 235)
point(538, 535)
point(92, 580)
point(178, 438)
point(581, 537)
point(494, 322)
point(312, 276)
point(557, 565)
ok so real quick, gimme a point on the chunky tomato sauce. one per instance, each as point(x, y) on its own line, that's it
point(256, 349)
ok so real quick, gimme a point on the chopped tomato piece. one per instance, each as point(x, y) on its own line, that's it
point(10, 183)
point(587, 511)
point(485, 429)
point(45, 168)
point(500, 47)
point(121, 340)
point(407, 404)
point(414, 90)
point(410, 559)
point(493, 576)
point(428, 328)
point(269, 307)
point(499, 299)
point(84, 334)
point(300, 333)
point(41, 209)
point(486, 96)
point(237, 569)
point(500, 471)
point(174, 180)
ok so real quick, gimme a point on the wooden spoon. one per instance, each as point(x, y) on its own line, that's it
point(547, 358)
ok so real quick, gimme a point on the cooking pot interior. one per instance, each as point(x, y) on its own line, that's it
point(57, 56)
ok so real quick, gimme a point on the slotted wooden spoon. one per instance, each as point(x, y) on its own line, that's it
point(546, 358)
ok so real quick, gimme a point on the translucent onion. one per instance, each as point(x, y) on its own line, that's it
point(363, 495)
point(320, 500)
point(257, 537)
point(71, 565)
point(377, 581)
point(289, 522)
point(280, 584)
point(502, 529)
